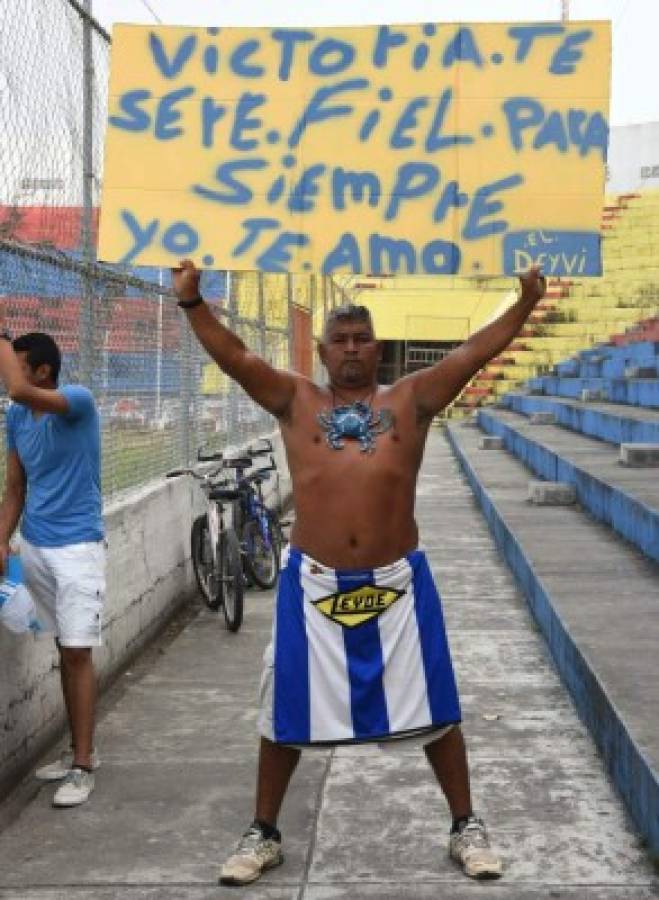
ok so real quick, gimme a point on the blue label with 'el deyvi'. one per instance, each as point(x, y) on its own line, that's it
point(558, 253)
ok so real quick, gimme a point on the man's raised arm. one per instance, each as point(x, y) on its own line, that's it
point(435, 387)
point(271, 388)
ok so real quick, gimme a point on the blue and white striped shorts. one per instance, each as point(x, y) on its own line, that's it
point(356, 655)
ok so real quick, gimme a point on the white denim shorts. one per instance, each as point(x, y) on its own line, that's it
point(68, 588)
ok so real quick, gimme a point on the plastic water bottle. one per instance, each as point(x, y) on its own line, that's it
point(17, 610)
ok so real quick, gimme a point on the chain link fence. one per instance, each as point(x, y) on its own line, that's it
point(119, 330)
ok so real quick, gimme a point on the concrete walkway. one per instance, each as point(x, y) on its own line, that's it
point(177, 738)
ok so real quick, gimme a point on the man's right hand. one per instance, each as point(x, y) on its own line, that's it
point(186, 280)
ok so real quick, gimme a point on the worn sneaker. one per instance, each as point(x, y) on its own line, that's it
point(471, 848)
point(56, 771)
point(75, 789)
point(254, 855)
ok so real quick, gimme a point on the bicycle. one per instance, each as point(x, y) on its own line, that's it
point(214, 544)
point(261, 537)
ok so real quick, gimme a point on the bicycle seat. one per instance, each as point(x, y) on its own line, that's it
point(240, 462)
point(261, 449)
point(256, 478)
point(224, 494)
point(261, 474)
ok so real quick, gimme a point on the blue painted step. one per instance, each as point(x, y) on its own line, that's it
point(606, 501)
point(615, 426)
point(633, 391)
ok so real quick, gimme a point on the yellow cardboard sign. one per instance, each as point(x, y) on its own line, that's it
point(466, 149)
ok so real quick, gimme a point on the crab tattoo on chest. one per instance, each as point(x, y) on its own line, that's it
point(356, 421)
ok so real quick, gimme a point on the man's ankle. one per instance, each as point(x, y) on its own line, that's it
point(269, 832)
point(82, 760)
point(460, 821)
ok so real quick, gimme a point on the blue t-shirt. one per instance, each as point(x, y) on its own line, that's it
point(61, 455)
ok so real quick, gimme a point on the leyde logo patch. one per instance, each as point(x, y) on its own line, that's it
point(353, 608)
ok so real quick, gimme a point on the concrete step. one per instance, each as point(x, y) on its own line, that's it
point(595, 599)
point(561, 345)
point(610, 422)
point(610, 361)
point(625, 499)
point(630, 391)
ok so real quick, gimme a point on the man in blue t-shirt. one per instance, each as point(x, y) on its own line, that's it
point(53, 483)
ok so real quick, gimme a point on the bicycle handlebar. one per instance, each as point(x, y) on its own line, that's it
point(205, 476)
point(261, 449)
point(239, 462)
point(210, 457)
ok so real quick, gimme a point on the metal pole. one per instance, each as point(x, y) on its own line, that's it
point(159, 350)
point(86, 15)
point(565, 10)
point(233, 398)
point(290, 315)
point(86, 337)
point(263, 344)
point(188, 368)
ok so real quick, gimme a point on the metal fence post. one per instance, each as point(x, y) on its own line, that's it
point(325, 277)
point(232, 313)
point(86, 348)
point(263, 344)
point(158, 403)
point(188, 367)
point(290, 316)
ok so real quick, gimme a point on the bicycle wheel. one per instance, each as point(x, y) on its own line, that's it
point(202, 562)
point(231, 579)
point(262, 551)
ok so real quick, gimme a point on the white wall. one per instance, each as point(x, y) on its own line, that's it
point(633, 159)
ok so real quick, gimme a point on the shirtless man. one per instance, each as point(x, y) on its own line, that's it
point(359, 651)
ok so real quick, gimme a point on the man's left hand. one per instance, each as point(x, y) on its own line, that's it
point(533, 284)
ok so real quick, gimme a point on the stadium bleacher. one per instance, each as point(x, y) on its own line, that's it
point(579, 315)
point(589, 569)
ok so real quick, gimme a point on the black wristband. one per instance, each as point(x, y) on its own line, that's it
point(6, 336)
point(190, 304)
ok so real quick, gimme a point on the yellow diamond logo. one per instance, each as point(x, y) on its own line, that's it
point(353, 608)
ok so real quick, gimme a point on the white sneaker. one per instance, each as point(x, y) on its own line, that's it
point(75, 789)
point(254, 855)
point(56, 771)
point(471, 848)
